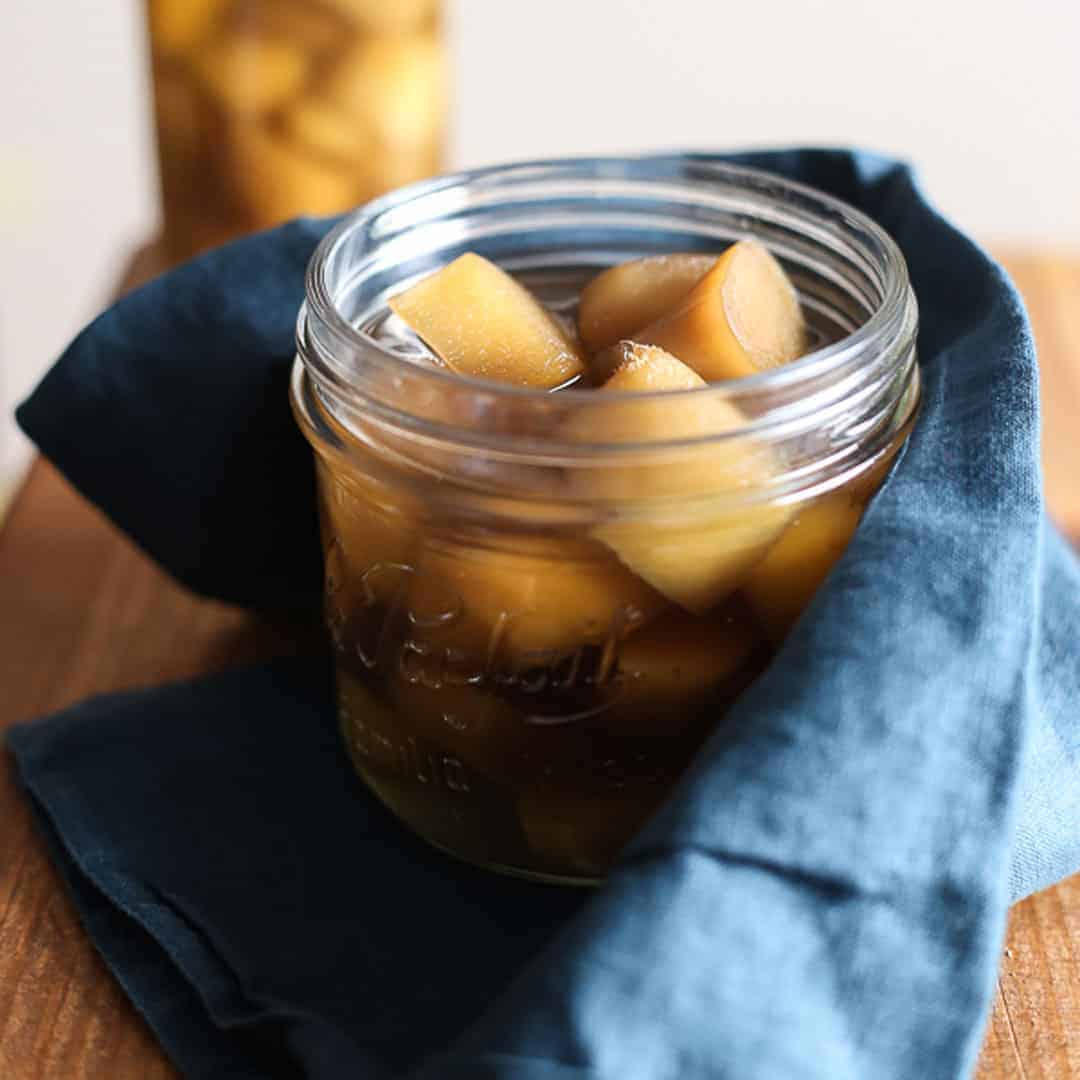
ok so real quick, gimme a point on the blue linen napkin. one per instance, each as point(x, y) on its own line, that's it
point(824, 895)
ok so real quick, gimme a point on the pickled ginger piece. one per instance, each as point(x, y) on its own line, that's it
point(781, 585)
point(322, 127)
point(679, 658)
point(693, 555)
point(369, 535)
point(271, 176)
point(479, 321)
point(742, 317)
point(526, 607)
point(251, 73)
point(395, 86)
point(620, 301)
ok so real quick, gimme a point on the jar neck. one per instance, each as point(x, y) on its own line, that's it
point(854, 423)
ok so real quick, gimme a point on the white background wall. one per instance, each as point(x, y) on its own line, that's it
point(984, 95)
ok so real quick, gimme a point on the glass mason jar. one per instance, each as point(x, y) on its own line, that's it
point(535, 627)
point(268, 109)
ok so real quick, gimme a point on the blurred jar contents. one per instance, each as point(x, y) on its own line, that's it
point(269, 109)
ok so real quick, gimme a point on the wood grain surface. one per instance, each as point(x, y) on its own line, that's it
point(82, 612)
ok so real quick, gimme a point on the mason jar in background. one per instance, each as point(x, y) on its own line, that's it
point(267, 109)
point(535, 627)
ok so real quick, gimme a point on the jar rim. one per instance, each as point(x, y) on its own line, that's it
point(884, 320)
point(828, 415)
